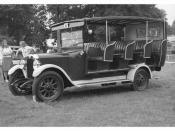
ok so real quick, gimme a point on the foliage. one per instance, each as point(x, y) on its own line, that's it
point(29, 22)
point(169, 29)
point(173, 28)
point(23, 22)
point(66, 12)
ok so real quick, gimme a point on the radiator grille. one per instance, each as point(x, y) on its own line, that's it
point(29, 68)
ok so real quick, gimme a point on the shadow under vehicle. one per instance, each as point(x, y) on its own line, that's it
point(94, 51)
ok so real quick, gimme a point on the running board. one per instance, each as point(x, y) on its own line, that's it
point(107, 71)
point(102, 81)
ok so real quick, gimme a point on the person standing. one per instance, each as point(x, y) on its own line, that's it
point(24, 49)
point(6, 59)
point(44, 47)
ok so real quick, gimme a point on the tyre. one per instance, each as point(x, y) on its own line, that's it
point(141, 80)
point(47, 87)
point(14, 89)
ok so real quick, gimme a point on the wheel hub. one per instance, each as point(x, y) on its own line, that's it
point(48, 88)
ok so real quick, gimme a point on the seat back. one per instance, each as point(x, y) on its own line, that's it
point(94, 52)
point(139, 46)
point(148, 49)
point(95, 49)
point(158, 52)
point(156, 45)
point(163, 52)
point(109, 52)
point(100, 45)
point(129, 51)
point(120, 47)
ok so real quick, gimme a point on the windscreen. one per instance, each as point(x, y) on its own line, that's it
point(72, 38)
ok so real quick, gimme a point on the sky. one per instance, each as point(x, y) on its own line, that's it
point(170, 11)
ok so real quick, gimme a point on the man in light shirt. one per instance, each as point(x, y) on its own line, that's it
point(24, 49)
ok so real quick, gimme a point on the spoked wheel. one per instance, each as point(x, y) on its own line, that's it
point(141, 80)
point(48, 86)
point(15, 81)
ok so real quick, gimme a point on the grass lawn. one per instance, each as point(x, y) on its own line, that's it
point(114, 106)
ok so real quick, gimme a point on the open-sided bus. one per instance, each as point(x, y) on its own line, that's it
point(94, 51)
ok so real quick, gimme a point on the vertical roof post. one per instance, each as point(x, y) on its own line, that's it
point(124, 29)
point(106, 32)
point(164, 29)
point(147, 31)
point(109, 34)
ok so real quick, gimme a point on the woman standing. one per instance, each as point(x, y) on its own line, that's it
point(6, 59)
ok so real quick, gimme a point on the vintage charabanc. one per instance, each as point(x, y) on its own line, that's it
point(98, 51)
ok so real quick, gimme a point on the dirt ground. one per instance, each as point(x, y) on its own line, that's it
point(114, 106)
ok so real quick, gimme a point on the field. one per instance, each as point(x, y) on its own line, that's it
point(114, 106)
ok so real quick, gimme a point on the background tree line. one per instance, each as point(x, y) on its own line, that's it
point(31, 22)
point(171, 29)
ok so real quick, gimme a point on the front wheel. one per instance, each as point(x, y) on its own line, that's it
point(15, 81)
point(48, 86)
point(141, 80)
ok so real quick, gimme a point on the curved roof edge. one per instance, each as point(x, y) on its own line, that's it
point(111, 18)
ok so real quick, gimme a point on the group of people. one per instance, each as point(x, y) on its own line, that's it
point(8, 54)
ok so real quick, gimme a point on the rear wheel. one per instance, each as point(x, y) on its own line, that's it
point(141, 80)
point(48, 87)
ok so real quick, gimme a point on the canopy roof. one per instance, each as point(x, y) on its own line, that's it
point(111, 19)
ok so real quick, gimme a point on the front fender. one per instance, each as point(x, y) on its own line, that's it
point(40, 69)
point(14, 68)
point(134, 68)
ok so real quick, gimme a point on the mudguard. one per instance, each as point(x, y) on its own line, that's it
point(134, 68)
point(40, 69)
point(14, 68)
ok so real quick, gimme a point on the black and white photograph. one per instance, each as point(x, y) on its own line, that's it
point(87, 65)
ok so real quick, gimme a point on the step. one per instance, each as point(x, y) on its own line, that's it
point(99, 81)
point(107, 71)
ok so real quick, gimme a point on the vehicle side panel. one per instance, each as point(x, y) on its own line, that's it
point(73, 63)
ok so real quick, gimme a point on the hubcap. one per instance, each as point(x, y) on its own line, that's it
point(140, 81)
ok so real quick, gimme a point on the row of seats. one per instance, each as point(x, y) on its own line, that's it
point(125, 48)
point(120, 46)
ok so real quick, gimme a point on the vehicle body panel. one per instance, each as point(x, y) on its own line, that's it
point(69, 62)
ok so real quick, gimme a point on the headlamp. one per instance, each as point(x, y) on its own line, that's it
point(36, 64)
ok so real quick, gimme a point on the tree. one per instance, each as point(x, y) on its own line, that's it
point(169, 30)
point(173, 27)
point(66, 12)
point(23, 22)
point(29, 22)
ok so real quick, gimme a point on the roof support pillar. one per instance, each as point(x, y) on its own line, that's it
point(147, 29)
point(164, 29)
point(106, 32)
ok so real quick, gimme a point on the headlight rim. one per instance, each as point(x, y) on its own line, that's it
point(36, 63)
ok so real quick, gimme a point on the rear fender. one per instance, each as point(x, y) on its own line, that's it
point(134, 68)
